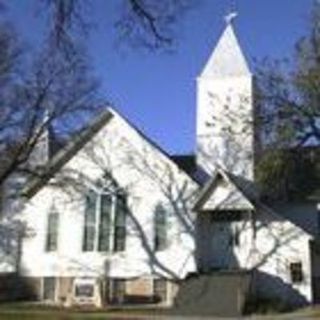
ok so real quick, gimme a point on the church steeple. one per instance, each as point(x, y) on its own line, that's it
point(227, 59)
point(225, 111)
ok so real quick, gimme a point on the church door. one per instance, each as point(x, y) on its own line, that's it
point(221, 248)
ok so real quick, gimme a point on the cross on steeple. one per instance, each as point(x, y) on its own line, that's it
point(232, 12)
point(230, 17)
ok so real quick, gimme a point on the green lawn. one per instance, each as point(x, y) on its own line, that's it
point(17, 311)
point(61, 315)
point(33, 312)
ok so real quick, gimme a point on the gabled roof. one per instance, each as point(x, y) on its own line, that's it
point(244, 195)
point(227, 59)
point(78, 142)
point(224, 192)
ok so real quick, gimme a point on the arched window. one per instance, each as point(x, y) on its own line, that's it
point(160, 228)
point(105, 219)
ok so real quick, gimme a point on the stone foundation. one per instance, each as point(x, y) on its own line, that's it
point(139, 287)
point(106, 292)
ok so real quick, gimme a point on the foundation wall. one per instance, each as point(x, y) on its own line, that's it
point(14, 287)
point(135, 291)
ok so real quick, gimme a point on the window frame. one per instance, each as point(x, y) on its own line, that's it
point(120, 223)
point(52, 245)
point(84, 282)
point(78, 294)
point(87, 246)
point(114, 195)
point(99, 233)
point(160, 230)
point(296, 272)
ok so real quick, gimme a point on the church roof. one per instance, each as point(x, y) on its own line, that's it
point(78, 141)
point(303, 214)
point(227, 59)
point(225, 191)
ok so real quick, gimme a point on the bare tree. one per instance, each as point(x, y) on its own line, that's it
point(148, 23)
point(51, 95)
point(59, 82)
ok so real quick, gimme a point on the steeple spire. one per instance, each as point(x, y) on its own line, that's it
point(225, 115)
point(227, 59)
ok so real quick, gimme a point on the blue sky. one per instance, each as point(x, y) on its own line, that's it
point(157, 91)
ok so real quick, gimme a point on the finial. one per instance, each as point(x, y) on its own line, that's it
point(232, 12)
point(230, 17)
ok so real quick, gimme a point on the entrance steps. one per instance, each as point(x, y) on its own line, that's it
point(219, 293)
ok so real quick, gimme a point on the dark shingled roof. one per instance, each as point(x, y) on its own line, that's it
point(303, 214)
point(186, 162)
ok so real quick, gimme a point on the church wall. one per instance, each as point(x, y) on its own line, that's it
point(271, 246)
point(264, 243)
point(279, 245)
point(149, 178)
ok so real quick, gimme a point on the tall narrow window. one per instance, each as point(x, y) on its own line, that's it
point(90, 222)
point(120, 223)
point(105, 221)
point(52, 231)
point(160, 229)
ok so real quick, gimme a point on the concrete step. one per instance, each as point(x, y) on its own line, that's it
point(217, 294)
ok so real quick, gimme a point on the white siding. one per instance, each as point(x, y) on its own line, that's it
point(149, 178)
point(267, 244)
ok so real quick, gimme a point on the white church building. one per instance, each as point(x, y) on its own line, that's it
point(115, 219)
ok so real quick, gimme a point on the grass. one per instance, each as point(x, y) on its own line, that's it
point(22, 311)
point(25, 311)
